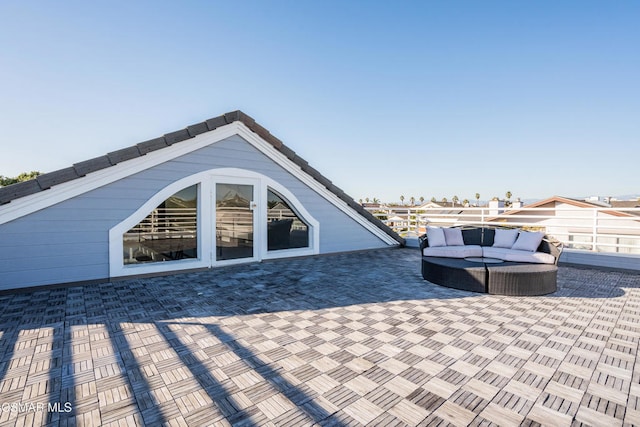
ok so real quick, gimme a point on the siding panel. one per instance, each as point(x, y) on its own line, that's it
point(50, 237)
point(68, 242)
point(59, 255)
point(53, 276)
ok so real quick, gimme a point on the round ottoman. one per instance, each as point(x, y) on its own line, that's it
point(520, 279)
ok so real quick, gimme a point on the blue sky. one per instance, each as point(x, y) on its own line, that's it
point(384, 98)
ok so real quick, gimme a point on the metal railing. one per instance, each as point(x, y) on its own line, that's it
point(165, 223)
point(611, 230)
point(175, 222)
point(164, 234)
point(279, 214)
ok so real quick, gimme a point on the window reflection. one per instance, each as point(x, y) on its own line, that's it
point(168, 233)
point(234, 221)
point(285, 229)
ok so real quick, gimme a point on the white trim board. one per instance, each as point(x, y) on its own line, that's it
point(68, 190)
point(206, 181)
point(61, 192)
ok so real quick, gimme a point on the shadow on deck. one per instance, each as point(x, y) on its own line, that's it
point(343, 339)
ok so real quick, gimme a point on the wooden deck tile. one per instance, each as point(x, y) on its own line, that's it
point(545, 416)
point(409, 413)
point(501, 416)
point(276, 344)
point(363, 411)
point(454, 414)
point(592, 417)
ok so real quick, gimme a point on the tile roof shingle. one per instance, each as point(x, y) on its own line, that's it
point(78, 170)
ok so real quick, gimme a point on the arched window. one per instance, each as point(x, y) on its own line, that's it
point(186, 225)
point(168, 233)
point(285, 228)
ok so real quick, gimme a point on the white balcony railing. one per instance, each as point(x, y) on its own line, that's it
point(602, 230)
point(165, 223)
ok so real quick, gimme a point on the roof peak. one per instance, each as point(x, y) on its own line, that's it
point(78, 170)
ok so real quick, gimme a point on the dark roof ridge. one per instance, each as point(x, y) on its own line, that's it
point(78, 170)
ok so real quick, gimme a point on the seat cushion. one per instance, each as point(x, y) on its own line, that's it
point(472, 236)
point(528, 241)
point(532, 257)
point(518, 256)
point(494, 252)
point(488, 236)
point(453, 251)
point(505, 238)
point(453, 236)
point(435, 237)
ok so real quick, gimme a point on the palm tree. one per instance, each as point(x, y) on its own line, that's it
point(360, 201)
point(376, 200)
point(454, 200)
point(413, 201)
point(422, 200)
point(444, 200)
point(508, 202)
point(433, 200)
point(477, 199)
point(402, 200)
point(366, 199)
point(465, 203)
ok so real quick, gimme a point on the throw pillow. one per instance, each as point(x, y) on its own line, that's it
point(435, 235)
point(528, 241)
point(453, 236)
point(505, 238)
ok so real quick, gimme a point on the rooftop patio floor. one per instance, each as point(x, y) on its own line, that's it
point(350, 339)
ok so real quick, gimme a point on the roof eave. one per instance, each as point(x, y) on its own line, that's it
point(46, 181)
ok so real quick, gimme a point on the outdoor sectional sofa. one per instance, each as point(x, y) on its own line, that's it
point(491, 260)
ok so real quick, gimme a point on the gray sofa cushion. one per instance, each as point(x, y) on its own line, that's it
point(453, 236)
point(517, 256)
point(465, 251)
point(472, 236)
point(528, 241)
point(505, 238)
point(436, 237)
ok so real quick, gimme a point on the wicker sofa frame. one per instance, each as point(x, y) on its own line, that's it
point(506, 278)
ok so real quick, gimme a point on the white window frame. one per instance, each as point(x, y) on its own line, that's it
point(206, 223)
point(257, 235)
point(274, 252)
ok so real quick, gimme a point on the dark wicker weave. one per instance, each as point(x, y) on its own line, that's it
point(508, 278)
point(520, 279)
point(455, 273)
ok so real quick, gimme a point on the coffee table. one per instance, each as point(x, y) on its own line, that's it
point(484, 260)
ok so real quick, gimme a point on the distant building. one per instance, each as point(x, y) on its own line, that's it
point(572, 221)
point(581, 224)
point(626, 204)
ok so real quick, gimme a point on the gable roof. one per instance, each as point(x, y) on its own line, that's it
point(569, 201)
point(561, 199)
point(79, 170)
point(626, 204)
